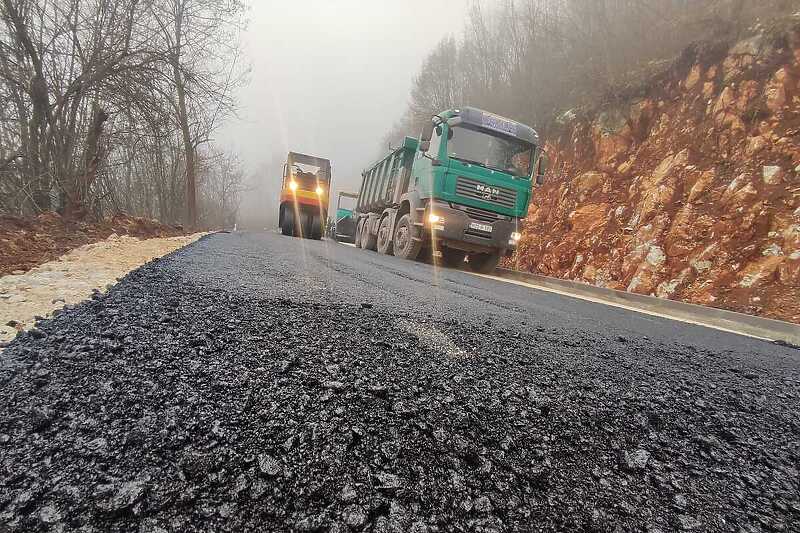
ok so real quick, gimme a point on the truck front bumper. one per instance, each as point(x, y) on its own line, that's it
point(457, 230)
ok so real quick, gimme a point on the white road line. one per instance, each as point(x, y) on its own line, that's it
point(621, 306)
point(592, 299)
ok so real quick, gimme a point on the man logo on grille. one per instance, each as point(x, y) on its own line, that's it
point(487, 193)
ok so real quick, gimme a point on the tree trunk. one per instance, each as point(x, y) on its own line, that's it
point(183, 118)
point(76, 207)
point(188, 147)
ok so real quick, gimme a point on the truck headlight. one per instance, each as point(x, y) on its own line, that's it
point(319, 191)
point(293, 185)
point(433, 218)
point(516, 236)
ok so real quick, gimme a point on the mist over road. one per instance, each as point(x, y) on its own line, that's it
point(258, 382)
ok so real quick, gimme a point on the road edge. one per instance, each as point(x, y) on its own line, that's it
point(721, 319)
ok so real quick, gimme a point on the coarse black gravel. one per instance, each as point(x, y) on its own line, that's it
point(252, 382)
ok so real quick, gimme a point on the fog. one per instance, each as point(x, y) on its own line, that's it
point(329, 78)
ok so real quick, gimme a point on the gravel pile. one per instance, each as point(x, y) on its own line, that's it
point(165, 405)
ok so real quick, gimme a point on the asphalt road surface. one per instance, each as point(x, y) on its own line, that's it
point(264, 383)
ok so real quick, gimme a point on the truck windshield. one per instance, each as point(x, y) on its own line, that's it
point(308, 178)
point(490, 150)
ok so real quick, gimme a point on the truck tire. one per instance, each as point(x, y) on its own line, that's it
point(404, 244)
point(483, 263)
point(287, 223)
point(369, 241)
point(452, 258)
point(425, 255)
point(315, 227)
point(359, 228)
point(385, 236)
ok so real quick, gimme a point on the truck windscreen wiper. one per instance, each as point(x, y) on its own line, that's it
point(464, 160)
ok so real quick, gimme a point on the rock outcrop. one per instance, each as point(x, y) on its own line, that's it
point(688, 191)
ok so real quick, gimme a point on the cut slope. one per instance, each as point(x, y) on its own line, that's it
point(689, 190)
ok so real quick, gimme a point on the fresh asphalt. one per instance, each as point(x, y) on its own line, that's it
point(263, 383)
point(326, 271)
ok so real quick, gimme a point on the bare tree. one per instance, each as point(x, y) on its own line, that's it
point(104, 103)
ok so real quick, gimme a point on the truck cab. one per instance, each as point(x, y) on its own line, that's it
point(466, 187)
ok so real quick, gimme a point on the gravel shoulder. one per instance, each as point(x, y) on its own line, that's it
point(74, 276)
point(235, 385)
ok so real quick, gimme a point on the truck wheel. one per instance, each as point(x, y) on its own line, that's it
point(315, 227)
point(425, 255)
point(452, 258)
point(484, 263)
point(385, 236)
point(369, 241)
point(359, 228)
point(404, 244)
point(287, 223)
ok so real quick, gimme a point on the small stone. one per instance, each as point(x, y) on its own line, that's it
point(268, 465)
point(126, 496)
point(36, 333)
point(388, 481)
point(679, 501)
point(634, 461)
point(333, 385)
point(49, 515)
point(354, 516)
point(482, 505)
point(688, 523)
point(217, 430)
point(365, 305)
point(348, 494)
point(97, 446)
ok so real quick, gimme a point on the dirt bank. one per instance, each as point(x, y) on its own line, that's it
point(28, 242)
point(686, 188)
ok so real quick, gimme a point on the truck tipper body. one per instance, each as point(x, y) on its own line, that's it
point(305, 192)
point(458, 191)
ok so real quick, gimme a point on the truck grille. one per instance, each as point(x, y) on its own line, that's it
point(500, 196)
point(476, 213)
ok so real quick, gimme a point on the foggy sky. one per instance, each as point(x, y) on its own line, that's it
point(329, 78)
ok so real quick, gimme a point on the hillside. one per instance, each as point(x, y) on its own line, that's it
point(686, 187)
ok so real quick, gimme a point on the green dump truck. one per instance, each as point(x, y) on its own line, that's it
point(461, 190)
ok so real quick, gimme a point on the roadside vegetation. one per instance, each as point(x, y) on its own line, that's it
point(111, 105)
point(533, 60)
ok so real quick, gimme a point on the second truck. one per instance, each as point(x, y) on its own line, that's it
point(459, 191)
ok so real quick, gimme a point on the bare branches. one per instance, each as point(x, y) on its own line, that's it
point(531, 59)
point(106, 102)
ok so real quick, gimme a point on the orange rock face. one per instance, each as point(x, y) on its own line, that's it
point(690, 192)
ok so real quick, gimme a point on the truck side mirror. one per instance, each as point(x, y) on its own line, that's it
point(425, 137)
point(541, 168)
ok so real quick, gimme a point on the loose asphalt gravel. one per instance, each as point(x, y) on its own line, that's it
point(262, 383)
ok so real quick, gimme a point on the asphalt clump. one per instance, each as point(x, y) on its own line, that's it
point(169, 405)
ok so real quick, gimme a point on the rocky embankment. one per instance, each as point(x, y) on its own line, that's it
point(688, 191)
